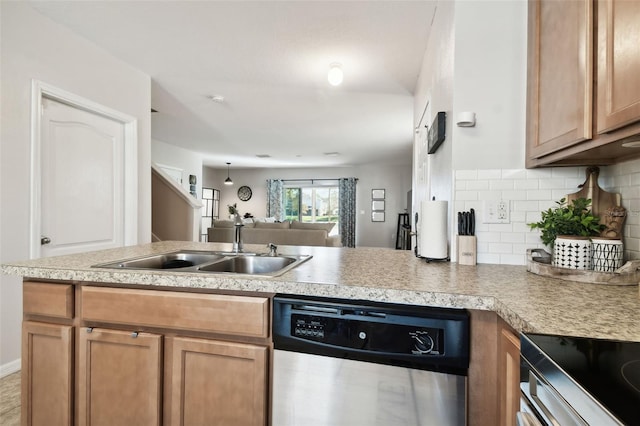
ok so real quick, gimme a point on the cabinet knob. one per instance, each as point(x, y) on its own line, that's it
point(134, 334)
point(89, 329)
point(45, 240)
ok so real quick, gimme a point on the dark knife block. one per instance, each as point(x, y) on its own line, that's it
point(467, 249)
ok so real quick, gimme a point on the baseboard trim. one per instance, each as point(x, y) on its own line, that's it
point(9, 368)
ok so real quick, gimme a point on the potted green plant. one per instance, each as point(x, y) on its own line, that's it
point(567, 229)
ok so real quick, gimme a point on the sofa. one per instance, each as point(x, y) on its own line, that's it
point(285, 233)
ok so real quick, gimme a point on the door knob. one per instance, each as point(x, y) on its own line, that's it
point(45, 240)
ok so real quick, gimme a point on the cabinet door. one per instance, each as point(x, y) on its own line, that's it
point(509, 374)
point(47, 354)
point(560, 69)
point(119, 378)
point(215, 383)
point(618, 64)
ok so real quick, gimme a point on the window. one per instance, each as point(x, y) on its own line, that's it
point(210, 210)
point(311, 204)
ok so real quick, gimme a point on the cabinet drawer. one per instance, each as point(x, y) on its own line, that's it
point(52, 300)
point(237, 315)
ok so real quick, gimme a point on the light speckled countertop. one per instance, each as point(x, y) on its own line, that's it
point(526, 301)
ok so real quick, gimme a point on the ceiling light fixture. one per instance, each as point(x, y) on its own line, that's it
point(228, 180)
point(335, 75)
point(216, 98)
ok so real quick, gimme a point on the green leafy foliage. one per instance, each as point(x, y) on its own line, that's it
point(568, 219)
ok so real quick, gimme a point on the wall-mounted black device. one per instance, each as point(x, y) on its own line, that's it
point(437, 131)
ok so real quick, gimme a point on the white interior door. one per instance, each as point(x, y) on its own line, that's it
point(82, 180)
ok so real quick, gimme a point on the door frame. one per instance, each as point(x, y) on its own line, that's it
point(40, 90)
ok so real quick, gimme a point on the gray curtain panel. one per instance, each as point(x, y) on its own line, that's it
point(275, 203)
point(347, 205)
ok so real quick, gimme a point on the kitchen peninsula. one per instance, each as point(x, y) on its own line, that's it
point(523, 302)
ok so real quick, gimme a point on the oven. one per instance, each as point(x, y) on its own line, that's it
point(568, 381)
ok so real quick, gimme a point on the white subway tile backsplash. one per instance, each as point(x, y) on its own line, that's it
point(501, 248)
point(511, 237)
point(501, 184)
point(539, 194)
point(488, 237)
point(513, 259)
point(524, 206)
point(574, 184)
point(477, 184)
point(489, 174)
point(488, 258)
point(518, 216)
point(634, 179)
point(538, 173)
point(568, 172)
point(500, 227)
point(466, 174)
point(556, 183)
point(533, 217)
point(531, 191)
point(514, 174)
point(466, 195)
point(526, 184)
point(557, 194)
point(514, 195)
point(633, 231)
point(489, 195)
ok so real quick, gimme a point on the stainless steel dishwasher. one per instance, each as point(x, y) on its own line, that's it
point(352, 363)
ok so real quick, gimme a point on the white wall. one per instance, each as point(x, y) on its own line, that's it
point(475, 61)
point(434, 91)
point(34, 47)
point(490, 80)
point(189, 162)
point(396, 180)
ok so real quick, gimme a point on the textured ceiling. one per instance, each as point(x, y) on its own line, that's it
point(269, 59)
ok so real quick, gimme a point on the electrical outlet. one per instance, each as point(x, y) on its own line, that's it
point(495, 211)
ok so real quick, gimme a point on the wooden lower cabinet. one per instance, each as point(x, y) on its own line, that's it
point(211, 382)
point(47, 374)
point(113, 356)
point(508, 373)
point(494, 371)
point(119, 378)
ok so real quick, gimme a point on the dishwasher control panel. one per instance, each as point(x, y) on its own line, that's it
point(368, 335)
point(418, 336)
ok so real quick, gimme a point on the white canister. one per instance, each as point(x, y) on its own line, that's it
point(572, 252)
point(607, 254)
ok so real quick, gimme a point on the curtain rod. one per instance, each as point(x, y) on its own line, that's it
point(300, 180)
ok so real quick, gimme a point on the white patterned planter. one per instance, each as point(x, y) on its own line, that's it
point(572, 252)
point(607, 254)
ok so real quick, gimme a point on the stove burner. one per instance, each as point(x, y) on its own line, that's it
point(631, 374)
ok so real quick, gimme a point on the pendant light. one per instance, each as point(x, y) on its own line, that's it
point(228, 180)
point(335, 75)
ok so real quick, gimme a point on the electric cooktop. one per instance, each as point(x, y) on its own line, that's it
point(607, 369)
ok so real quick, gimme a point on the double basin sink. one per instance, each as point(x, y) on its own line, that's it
point(212, 262)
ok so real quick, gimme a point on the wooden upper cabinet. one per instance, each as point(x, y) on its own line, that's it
point(618, 64)
point(560, 75)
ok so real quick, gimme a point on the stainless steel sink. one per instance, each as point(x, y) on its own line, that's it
point(250, 264)
point(212, 262)
point(175, 260)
